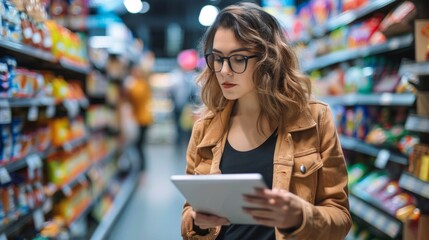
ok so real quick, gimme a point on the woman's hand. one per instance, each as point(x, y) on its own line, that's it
point(275, 208)
point(206, 221)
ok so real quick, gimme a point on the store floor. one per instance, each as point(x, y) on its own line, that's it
point(154, 210)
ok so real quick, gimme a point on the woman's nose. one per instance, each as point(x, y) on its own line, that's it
point(226, 69)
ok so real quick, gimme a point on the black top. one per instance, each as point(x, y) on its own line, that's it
point(258, 160)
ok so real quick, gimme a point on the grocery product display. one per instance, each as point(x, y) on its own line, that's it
point(66, 169)
point(59, 145)
point(360, 56)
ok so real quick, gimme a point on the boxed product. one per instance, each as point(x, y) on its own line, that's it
point(421, 32)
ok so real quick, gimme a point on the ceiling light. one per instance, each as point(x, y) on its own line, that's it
point(133, 6)
point(145, 7)
point(208, 15)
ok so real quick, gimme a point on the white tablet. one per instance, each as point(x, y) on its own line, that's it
point(220, 194)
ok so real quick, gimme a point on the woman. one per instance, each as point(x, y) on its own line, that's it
point(260, 118)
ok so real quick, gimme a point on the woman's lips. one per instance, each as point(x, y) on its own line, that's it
point(228, 85)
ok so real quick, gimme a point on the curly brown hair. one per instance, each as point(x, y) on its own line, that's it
point(282, 89)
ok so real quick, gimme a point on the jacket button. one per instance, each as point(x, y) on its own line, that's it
point(303, 169)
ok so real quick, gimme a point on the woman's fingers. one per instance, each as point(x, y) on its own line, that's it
point(204, 220)
point(275, 207)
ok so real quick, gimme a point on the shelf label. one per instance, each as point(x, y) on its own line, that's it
point(72, 107)
point(33, 113)
point(382, 159)
point(32, 165)
point(67, 191)
point(38, 218)
point(386, 98)
point(47, 205)
point(50, 111)
point(5, 112)
point(68, 146)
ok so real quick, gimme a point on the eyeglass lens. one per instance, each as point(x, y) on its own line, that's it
point(237, 62)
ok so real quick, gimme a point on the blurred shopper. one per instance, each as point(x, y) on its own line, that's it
point(183, 93)
point(139, 94)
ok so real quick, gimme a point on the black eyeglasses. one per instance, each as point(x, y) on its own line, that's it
point(237, 62)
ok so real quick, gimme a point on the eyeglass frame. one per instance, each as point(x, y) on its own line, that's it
point(246, 59)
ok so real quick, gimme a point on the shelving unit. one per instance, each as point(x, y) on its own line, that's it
point(350, 16)
point(367, 211)
point(36, 59)
point(382, 155)
point(393, 44)
point(373, 217)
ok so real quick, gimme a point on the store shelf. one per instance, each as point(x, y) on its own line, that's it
point(31, 102)
point(417, 123)
point(383, 99)
point(27, 51)
point(28, 54)
point(125, 193)
point(392, 44)
point(382, 221)
point(82, 69)
point(414, 185)
point(350, 16)
point(21, 163)
point(356, 145)
point(417, 69)
point(14, 226)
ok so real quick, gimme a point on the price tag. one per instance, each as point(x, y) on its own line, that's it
point(5, 112)
point(67, 191)
point(68, 147)
point(31, 167)
point(4, 176)
point(383, 157)
point(47, 205)
point(35, 160)
point(82, 180)
point(3, 237)
point(33, 113)
point(72, 107)
point(386, 98)
point(38, 218)
point(50, 111)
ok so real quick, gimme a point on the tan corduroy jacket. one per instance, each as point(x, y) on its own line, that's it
point(308, 161)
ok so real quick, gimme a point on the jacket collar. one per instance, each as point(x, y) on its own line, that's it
point(219, 123)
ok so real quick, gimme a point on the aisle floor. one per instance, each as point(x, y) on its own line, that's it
point(154, 210)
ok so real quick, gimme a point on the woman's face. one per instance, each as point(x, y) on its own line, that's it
point(234, 85)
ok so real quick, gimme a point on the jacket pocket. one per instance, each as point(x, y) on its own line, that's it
point(305, 175)
point(203, 167)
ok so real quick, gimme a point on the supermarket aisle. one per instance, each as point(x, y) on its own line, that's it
point(154, 211)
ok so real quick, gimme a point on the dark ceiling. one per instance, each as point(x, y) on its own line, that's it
point(152, 26)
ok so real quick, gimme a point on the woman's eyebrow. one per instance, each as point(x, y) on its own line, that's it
point(233, 51)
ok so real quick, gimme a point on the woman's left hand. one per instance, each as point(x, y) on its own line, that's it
point(275, 208)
